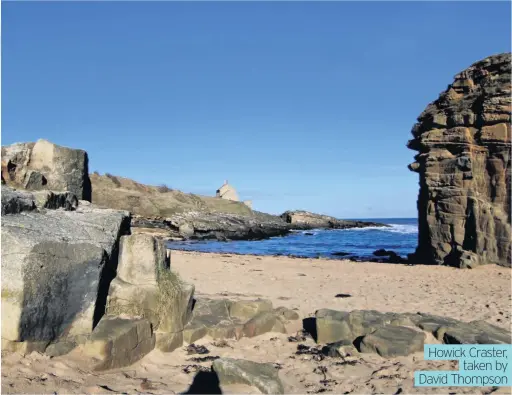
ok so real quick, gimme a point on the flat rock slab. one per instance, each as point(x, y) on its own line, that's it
point(475, 332)
point(225, 319)
point(388, 333)
point(393, 341)
point(263, 376)
point(118, 342)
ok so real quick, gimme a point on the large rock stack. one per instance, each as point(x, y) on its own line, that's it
point(44, 165)
point(463, 140)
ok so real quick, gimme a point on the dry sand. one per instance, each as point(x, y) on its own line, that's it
point(306, 284)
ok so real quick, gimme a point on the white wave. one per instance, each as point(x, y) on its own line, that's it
point(401, 228)
point(394, 228)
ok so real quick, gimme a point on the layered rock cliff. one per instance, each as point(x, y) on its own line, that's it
point(463, 140)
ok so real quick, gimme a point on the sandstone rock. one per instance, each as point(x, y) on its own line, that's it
point(475, 332)
point(464, 141)
point(261, 323)
point(146, 287)
point(245, 309)
point(44, 165)
point(168, 342)
point(388, 333)
point(140, 259)
point(15, 202)
point(287, 314)
point(186, 230)
point(341, 349)
point(56, 266)
point(393, 341)
point(333, 326)
point(118, 342)
point(263, 376)
point(306, 220)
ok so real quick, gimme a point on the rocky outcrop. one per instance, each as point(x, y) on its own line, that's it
point(219, 226)
point(46, 166)
point(146, 287)
point(305, 220)
point(55, 264)
point(172, 214)
point(118, 342)
point(464, 141)
point(394, 334)
point(226, 319)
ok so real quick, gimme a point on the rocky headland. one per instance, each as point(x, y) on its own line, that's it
point(463, 141)
point(305, 220)
point(175, 215)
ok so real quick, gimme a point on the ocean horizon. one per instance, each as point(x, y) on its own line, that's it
point(357, 243)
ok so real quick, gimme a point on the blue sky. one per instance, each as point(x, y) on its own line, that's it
point(299, 105)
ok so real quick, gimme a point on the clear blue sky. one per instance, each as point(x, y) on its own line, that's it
point(299, 105)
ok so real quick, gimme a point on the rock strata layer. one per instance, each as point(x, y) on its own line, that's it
point(464, 142)
point(305, 220)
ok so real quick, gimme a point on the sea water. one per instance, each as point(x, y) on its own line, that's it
point(400, 237)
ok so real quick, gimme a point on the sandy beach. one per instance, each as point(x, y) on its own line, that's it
point(304, 284)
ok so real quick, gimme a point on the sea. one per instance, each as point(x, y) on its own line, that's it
point(358, 244)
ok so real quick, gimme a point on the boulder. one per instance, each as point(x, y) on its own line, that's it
point(145, 286)
point(44, 165)
point(306, 220)
point(263, 376)
point(393, 341)
point(475, 332)
point(245, 309)
point(394, 334)
point(118, 342)
point(168, 342)
point(341, 349)
point(463, 141)
point(261, 323)
point(56, 267)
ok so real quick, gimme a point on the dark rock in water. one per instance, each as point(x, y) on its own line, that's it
point(463, 161)
point(340, 253)
point(382, 252)
point(308, 234)
point(393, 257)
point(304, 220)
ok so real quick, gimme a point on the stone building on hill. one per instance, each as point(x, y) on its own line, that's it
point(228, 192)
